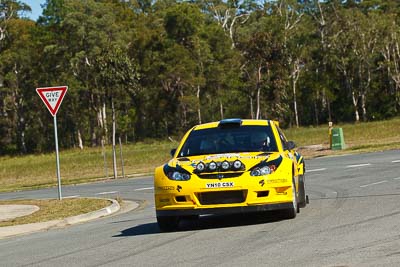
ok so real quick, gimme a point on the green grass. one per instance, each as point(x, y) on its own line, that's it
point(54, 209)
point(362, 134)
point(78, 166)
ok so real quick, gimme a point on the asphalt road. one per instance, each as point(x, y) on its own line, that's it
point(353, 219)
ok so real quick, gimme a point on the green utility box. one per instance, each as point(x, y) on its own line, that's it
point(337, 139)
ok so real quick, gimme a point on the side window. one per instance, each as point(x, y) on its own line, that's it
point(282, 137)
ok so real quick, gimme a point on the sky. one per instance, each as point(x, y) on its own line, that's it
point(36, 9)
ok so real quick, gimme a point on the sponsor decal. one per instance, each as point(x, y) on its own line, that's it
point(164, 200)
point(179, 188)
point(166, 188)
point(262, 182)
point(229, 156)
point(223, 156)
point(276, 181)
point(220, 185)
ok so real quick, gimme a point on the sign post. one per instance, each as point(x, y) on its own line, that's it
point(52, 98)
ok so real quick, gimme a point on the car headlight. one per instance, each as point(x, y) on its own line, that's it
point(225, 165)
point(200, 166)
point(265, 168)
point(212, 166)
point(176, 174)
point(261, 171)
point(237, 164)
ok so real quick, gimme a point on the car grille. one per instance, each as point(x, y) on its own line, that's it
point(222, 197)
point(220, 175)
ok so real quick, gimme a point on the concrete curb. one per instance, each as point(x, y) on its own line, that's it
point(9, 231)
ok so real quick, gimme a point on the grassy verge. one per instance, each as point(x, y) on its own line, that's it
point(55, 209)
point(78, 166)
point(361, 137)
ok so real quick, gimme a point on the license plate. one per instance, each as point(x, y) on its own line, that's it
point(220, 185)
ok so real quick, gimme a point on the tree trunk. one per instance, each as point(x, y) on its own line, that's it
point(251, 107)
point(363, 106)
point(221, 109)
point(258, 103)
point(329, 110)
point(23, 144)
point(21, 133)
point(258, 93)
point(184, 110)
point(113, 140)
point(316, 112)
point(121, 157)
point(105, 122)
point(355, 104)
point(93, 135)
point(295, 104)
point(80, 143)
point(198, 107)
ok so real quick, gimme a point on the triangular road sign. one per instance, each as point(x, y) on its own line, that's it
point(52, 97)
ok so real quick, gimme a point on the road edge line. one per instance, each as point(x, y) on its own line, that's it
point(10, 231)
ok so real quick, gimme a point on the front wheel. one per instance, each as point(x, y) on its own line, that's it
point(168, 223)
point(294, 209)
point(302, 192)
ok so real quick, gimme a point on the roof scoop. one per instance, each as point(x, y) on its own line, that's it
point(230, 123)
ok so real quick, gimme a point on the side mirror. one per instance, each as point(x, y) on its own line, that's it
point(173, 152)
point(290, 145)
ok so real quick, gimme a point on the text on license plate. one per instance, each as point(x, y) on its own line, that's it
point(220, 184)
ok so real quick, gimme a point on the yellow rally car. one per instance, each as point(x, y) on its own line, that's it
point(230, 166)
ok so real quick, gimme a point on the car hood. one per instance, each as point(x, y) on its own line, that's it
point(249, 159)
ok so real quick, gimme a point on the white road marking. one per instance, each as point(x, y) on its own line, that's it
point(72, 196)
point(398, 178)
point(106, 193)
point(358, 165)
point(145, 188)
point(316, 170)
point(396, 161)
point(381, 182)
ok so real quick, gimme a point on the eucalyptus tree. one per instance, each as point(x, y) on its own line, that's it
point(16, 77)
point(223, 73)
point(366, 50)
point(356, 45)
point(261, 44)
point(83, 29)
point(389, 49)
point(292, 23)
point(230, 14)
point(118, 78)
point(16, 62)
point(10, 9)
point(184, 58)
point(323, 15)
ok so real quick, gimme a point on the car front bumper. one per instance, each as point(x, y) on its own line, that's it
point(224, 210)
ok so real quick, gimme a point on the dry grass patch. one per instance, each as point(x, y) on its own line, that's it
point(54, 209)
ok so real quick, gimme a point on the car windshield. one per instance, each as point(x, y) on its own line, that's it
point(229, 140)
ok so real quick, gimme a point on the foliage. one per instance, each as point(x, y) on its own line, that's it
point(167, 65)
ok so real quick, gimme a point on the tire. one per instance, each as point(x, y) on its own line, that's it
point(302, 192)
point(168, 223)
point(292, 212)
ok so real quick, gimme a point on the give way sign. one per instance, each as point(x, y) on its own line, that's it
point(52, 97)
